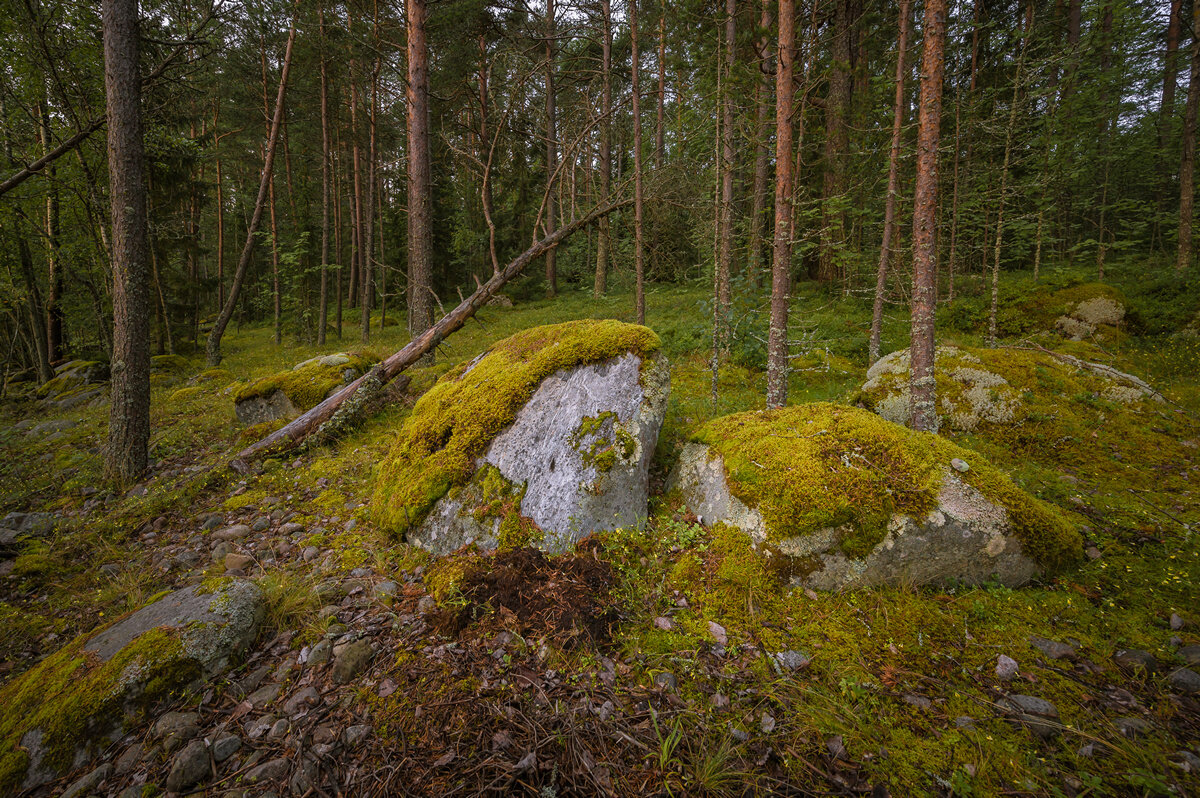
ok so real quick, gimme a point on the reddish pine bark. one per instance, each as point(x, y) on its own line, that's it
point(781, 249)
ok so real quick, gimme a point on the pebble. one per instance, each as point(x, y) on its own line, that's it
point(189, 767)
point(225, 747)
point(219, 551)
point(426, 605)
point(1092, 553)
point(311, 553)
point(353, 735)
point(789, 660)
point(88, 782)
point(212, 522)
point(720, 702)
point(302, 700)
point(738, 734)
point(1185, 680)
point(1052, 648)
point(1132, 727)
point(271, 770)
point(260, 727)
point(1186, 761)
point(718, 633)
point(1134, 660)
point(918, 701)
point(1006, 667)
point(263, 696)
point(352, 661)
point(235, 532)
point(1190, 654)
point(1036, 714)
point(238, 562)
point(666, 624)
point(279, 729)
point(960, 465)
point(128, 759)
point(385, 590)
point(291, 528)
point(1176, 622)
point(964, 722)
point(176, 728)
point(767, 723)
point(320, 653)
point(261, 524)
point(666, 680)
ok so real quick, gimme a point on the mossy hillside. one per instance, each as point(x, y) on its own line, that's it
point(1027, 307)
point(307, 387)
point(453, 423)
point(75, 700)
point(824, 465)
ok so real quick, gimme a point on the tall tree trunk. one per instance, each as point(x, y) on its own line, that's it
point(893, 187)
point(837, 106)
point(1014, 106)
point(220, 209)
point(36, 314)
point(924, 239)
point(1166, 108)
point(762, 141)
point(603, 235)
point(725, 243)
point(781, 249)
point(1183, 258)
point(368, 267)
point(639, 241)
point(127, 453)
point(660, 147)
point(323, 311)
point(486, 151)
point(54, 310)
point(420, 184)
point(551, 220)
point(214, 338)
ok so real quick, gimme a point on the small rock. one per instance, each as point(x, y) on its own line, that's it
point(220, 551)
point(88, 782)
point(666, 624)
point(238, 562)
point(426, 605)
point(666, 680)
point(351, 524)
point(1185, 680)
point(353, 735)
point(211, 523)
point(271, 770)
point(302, 700)
point(767, 723)
point(1189, 654)
point(291, 528)
point(1006, 667)
point(738, 734)
point(1036, 714)
point(1186, 761)
point(225, 747)
point(190, 766)
point(320, 653)
point(279, 729)
point(128, 759)
point(960, 465)
point(261, 524)
point(1132, 727)
point(352, 661)
point(260, 727)
point(964, 722)
point(918, 701)
point(1176, 622)
point(263, 696)
point(110, 569)
point(1134, 660)
point(310, 553)
point(1052, 648)
point(1092, 553)
point(386, 590)
point(176, 728)
point(720, 702)
point(789, 660)
point(718, 633)
point(235, 532)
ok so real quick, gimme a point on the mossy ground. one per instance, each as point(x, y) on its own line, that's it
point(872, 651)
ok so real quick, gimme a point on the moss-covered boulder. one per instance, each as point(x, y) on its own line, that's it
point(837, 497)
point(543, 439)
point(73, 704)
point(982, 388)
point(1090, 310)
point(305, 386)
point(74, 383)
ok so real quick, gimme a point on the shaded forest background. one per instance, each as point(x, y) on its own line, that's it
point(1067, 117)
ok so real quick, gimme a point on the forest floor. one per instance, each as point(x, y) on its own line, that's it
point(607, 671)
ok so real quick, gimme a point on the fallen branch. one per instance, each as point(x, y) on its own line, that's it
point(337, 410)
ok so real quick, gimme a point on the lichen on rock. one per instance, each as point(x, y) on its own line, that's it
point(299, 389)
point(566, 414)
point(841, 498)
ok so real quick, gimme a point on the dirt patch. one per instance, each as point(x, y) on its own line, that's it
point(565, 598)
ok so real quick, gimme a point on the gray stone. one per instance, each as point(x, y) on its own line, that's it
point(666, 680)
point(320, 653)
point(9, 543)
point(718, 633)
point(189, 767)
point(1176, 622)
point(225, 747)
point(87, 783)
point(1052, 648)
point(960, 465)
point(302, 700)
point(261, 523)
point(33, 524)
point(1185, 680)
point(235, 532)
point(220, 551)
point(258, 409)
point(789, 660)
point(128, 759)
point(386, 590)
point(1006, 667)
point(263, 696)
point(1186, 761)
point(426, 605)
point(964, 722)
point(1132, 727)
point(279, 729)
point(546, 450)
point(352, 661)
point(966, 538)
point(1132, 660)
point(260, 727)
point(271, 770)
point(1035, 714)
point(1189, 654)
point(238, 562)
point(175, 728)
point(353, 735)
point(212, 522)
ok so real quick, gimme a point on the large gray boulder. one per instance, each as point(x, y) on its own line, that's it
point(576, 460)
point(258, 409)
point(73, 704)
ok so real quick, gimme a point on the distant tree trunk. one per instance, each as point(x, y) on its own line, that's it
point(323, 312)
point(368, 268)
point(1166, 108)
point(551, 220)
point(1183, 259)
point(420, 185)
point(1014, 105)
point(762, 140)
point(485, 154)
point(603, 235)
point(924, 239)
point(356, 202)
point(54, 310)
point(837, 106)
point(639, 241)
point(951, 260)
point(781, 249)
point(660, 147)
point(893, 188)
point(264, 184)
point(36, 311)
point(127, 453)
point(220, 211)
point(725, 229)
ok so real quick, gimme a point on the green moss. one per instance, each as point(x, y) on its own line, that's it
point(307, 386)
point(821, 466)
point(186, 394)
point(221, 376)
point(75, 700)
point(171, 364)
point(453, 423)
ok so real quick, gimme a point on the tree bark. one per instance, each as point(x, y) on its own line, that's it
point(603, 235)
point(924, 240)
point(417, 349)
point(660, 147)
point(762, 142)
point(837, 105)
point(214, 338)
point(1166, 108)
point(54, 310)
point(551, 219)
point(781, 249)
point(127, 453)
point(1183, 257)
point(639, 241)
point(420, 183)
point(323, 311)
point(724, 264)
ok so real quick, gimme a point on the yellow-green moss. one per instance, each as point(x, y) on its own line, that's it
point(306, 387)
point(823, 465)
point(452, 424)
point(186, 394)
point(173, 364)
point(74, 699)
point(605, 448)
